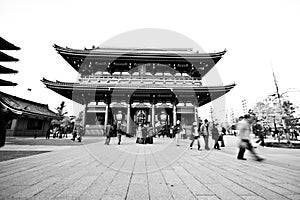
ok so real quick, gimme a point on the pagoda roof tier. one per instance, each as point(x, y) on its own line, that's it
point(19, 106)
point(90, 61)
point(5, 45)
point(6, 58)
point(88, 92)
point(7, 83)
point(5, 70)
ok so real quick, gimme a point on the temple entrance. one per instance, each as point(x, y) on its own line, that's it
point(93, 118)
point(139, 115)
point(164, 121)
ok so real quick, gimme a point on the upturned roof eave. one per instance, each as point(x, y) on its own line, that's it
point(137, 54)
point(21, 111)
point(78, 86)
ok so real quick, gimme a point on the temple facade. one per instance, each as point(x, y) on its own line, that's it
point(134, 86)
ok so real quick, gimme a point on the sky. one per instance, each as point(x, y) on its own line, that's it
point(259, 36)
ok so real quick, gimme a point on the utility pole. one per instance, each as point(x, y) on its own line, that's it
point(281, 110)
point(211, 114)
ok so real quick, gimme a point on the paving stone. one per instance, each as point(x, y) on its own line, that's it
point(158, 171)
point(207, 197)
point(31, 191)
point(222, 192)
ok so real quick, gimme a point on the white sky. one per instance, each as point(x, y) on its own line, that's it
point(257, 34)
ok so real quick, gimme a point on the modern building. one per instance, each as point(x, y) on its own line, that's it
point(154, 86)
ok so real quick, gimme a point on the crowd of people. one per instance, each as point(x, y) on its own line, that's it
point(200, 130)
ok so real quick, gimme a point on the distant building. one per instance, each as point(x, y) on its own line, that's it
point(24, 117)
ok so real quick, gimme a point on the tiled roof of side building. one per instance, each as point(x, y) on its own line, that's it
point(25, 106)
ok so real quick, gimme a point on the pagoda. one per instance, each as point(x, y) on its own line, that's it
point(5, 45)
point(144, 85)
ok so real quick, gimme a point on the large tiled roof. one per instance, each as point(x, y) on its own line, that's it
point(22, 106)
point(138, 51)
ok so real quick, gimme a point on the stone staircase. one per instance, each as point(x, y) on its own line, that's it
point(94, 130)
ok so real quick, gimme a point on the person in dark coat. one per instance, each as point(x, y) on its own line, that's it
point(177, 132)
point(215, 136)
point(221, 137)
point(119, 133)
point(48, 133)
point(108, 133)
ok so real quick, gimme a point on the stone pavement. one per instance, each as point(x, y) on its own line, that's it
point(158, 171)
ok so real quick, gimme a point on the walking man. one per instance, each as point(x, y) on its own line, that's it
point(205, 131)
point(215, 136)
point(119, 132)
point(196, 136)
point(244, 135)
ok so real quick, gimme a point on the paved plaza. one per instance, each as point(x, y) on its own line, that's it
point(157, 171)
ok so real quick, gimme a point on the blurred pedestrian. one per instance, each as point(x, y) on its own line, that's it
point(177, 132)
point(196, 136)
point(260, 134)
point(80, 133)
point(74, 133)
point(221, 137)
point(244, 135)
point(205, 131)
point(48, 133)
point(108, 133)
point(119, 132)
point(215, 136)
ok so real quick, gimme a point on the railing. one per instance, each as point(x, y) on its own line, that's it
point(138, 80)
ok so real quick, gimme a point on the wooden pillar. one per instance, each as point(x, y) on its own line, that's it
point(174, 114)
point(195, 112)
point(128, 119)
point(153, 115)
point(106, 116)
point(84, 116)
